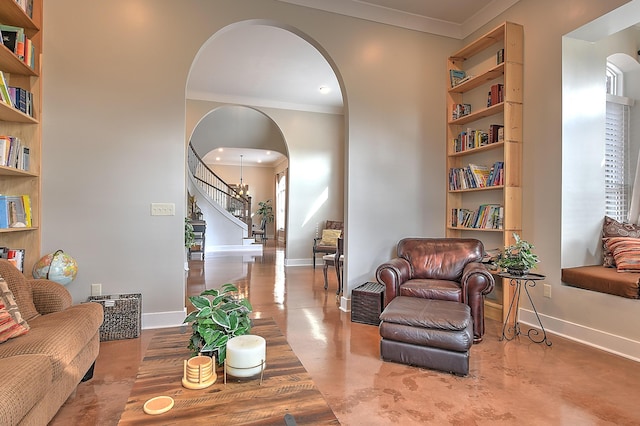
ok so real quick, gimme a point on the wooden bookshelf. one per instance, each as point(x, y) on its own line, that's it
point(479, 59)
point(14, 122)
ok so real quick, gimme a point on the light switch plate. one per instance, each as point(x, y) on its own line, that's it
point(163, 209)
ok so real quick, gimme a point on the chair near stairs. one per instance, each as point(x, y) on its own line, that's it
point(261, 232)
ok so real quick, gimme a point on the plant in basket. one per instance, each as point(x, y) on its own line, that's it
point(220, 314)
point(517, 258)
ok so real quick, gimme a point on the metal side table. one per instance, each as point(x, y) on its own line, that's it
point(520, 281)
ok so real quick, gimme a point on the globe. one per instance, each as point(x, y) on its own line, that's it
point(58, 267)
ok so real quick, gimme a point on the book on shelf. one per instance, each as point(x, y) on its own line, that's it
point(13, 153)
point(22, 99)
point(15, 211)
point(458, 77)
point(26, 6)
point(471, 176)
point(4, 90)
point(460, 110)
point(487, 216)
point(14, 39)
point(496, 174)
point(499, 56)
point(495, 95)
point(14, 256)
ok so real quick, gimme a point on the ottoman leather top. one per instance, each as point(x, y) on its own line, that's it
point(427, 313)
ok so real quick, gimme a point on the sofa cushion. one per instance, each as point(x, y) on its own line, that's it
point(426, 313)
point(11, 322)
point(59, 335)
point(432, 289)
point(25, 380)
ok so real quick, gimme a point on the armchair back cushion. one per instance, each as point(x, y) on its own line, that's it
point(439, 258)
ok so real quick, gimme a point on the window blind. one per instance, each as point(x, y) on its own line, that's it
point(616, 158)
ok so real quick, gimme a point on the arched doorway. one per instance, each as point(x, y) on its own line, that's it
point(279, 71)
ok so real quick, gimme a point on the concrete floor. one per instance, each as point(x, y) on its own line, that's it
point(510, 383)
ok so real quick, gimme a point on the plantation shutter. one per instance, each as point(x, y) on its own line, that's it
point(615, 169)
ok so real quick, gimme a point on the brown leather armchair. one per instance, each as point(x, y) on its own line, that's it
point(442, 269)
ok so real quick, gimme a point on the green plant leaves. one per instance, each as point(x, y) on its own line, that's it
point(220, 314)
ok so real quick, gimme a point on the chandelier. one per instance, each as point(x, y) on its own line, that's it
point(243, 189)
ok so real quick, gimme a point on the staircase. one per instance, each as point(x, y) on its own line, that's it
point(231, 204)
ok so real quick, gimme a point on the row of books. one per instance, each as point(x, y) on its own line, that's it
point(14, 256)
point(13, 153)
point(487, 216)
point(460, 110)
point(470, 177)
point(15, 211)
point(471, 138)
point(14, 39)
point(496, 94)
point(27, 6)
point(16, 97)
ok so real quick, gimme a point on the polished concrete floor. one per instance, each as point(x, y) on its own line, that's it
point(510, 383)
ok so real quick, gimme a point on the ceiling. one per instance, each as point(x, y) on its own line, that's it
point(265, 66)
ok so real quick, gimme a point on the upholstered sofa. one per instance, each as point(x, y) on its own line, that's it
point(51, 347)
point(441, 269)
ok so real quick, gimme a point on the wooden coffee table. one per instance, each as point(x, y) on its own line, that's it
point(287, 388)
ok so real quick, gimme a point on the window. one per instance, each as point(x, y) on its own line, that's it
point(616, 162)
point(616, 166)
point(281, 194)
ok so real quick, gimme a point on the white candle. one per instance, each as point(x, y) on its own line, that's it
point(245, 355)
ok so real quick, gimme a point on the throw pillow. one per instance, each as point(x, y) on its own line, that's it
point(626, 252)
point(330, 237)
point(11, 322)
point(612, 228)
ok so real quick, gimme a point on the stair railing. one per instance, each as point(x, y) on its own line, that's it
point(218, 190)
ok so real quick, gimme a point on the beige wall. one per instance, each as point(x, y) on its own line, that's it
point(114, 127)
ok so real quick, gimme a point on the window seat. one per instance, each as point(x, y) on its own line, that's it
point(604, 280)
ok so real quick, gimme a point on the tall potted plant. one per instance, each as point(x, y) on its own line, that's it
point(265, 211)
point(219, 315)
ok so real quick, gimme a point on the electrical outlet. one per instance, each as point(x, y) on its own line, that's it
point(163, 209)
point(96, 289)
point(547, 290)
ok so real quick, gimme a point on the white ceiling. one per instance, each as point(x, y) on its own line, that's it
point(265, 66)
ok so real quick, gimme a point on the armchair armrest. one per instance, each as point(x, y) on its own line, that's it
point(392, 274)
point(476, 279)
point(476, 282)
point(49, 296)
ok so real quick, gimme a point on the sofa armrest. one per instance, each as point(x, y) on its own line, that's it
point(392, 274)
point(49, 296)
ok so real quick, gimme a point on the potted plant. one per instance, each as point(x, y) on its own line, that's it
point(189, 235)
point(518, 258)
point(265, 210)
point(219, 315)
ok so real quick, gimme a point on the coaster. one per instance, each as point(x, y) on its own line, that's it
point(158, 405)
point(195, 385)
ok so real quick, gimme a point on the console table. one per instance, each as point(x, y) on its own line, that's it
point(520, 281)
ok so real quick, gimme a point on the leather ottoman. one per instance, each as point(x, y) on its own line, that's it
point(428, 333)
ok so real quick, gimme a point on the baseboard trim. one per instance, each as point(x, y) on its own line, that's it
point(163, 319)
point(598, 339)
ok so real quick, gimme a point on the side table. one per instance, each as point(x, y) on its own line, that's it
point(520, 281)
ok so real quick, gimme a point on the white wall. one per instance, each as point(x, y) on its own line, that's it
point(114, 131)
point(114, 135)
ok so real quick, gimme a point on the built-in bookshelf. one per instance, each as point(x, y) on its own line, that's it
point(20, 123)
point(484, 145)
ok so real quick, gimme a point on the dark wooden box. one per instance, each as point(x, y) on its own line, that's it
point(366, 303)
